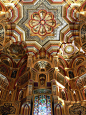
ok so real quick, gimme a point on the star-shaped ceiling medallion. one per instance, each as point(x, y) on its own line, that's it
point(42, 24)
point(68, 50)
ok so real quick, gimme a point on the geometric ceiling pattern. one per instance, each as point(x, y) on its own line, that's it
point(56, 14)
point(43, 46)
point(56, 28)
point(53, 26)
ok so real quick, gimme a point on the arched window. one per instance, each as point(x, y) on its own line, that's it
point(25, 109)
point(42, 105)
point(58, 109)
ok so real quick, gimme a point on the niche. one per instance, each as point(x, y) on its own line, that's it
point(42, 79)
point(71, 75)
point(13, 75)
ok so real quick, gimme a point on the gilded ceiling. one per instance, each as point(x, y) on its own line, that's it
point(45, 23)
point(51, 33)
point(43, 50)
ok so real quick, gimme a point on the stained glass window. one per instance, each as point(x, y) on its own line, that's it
point(42, 105)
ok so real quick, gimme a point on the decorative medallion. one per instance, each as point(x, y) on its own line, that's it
point(42, 24)
point(69, 49)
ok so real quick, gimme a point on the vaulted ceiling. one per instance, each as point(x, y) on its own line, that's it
point(42, 34)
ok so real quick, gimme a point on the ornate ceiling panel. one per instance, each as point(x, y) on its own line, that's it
point(42, 24)
point(45, 24)
point(45, 27)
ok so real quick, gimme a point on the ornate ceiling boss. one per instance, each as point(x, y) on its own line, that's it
point(42, 24)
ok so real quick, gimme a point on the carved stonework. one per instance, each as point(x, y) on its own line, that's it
point(77, 109)
point(7, 109)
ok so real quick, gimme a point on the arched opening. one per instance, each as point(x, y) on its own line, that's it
point(42, 105)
